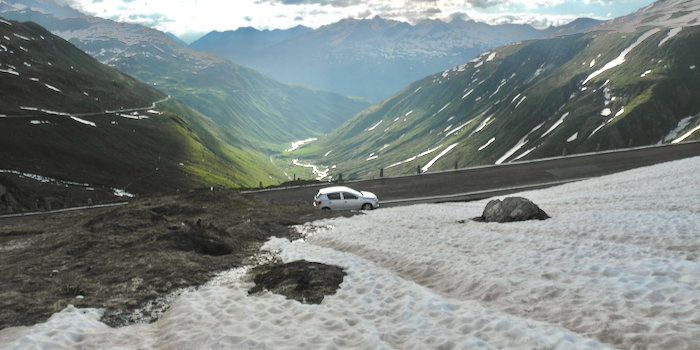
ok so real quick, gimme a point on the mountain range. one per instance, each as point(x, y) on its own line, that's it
point(203, 120)
point(628, 82)
point(252, 107)
point(372, 58)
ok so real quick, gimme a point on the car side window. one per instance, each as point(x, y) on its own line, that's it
point(349, 195)
point(332, 196)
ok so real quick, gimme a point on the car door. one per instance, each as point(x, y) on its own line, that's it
point(351, 201)
point(335, 201)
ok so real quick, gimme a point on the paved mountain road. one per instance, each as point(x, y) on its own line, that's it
point(487, 181)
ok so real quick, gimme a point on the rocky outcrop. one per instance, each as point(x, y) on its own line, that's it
point(304, 281)
point(511, 209)
point(8, 203)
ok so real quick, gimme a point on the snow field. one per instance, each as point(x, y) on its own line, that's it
point(617, 266)
point(618, 262)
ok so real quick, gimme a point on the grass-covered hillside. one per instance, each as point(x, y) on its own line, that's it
point(73, 128)
point(252, 107)
point(572, 94)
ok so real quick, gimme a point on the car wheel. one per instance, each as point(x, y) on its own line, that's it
point(326, 208)
point(367, 206)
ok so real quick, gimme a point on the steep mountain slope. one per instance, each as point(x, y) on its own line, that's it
point(372, 58)
point(251, 106)
point(73, 128)
point(572, 94)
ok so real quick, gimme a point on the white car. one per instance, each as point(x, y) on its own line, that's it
point(345, 198)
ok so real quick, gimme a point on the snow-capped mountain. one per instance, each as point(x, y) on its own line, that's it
point(372, 58)
point(632, 82)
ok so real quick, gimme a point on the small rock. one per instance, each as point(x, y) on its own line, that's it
point(511, 209)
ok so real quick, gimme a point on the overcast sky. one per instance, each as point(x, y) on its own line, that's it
point(190, 19)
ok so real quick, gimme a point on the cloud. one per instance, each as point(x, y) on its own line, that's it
point(332, 3)
point(484, 4)
point(364, 14)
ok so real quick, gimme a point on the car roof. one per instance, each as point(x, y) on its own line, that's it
point(336, 189)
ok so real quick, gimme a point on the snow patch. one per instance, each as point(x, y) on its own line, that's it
point(572, 137)
point(682, 124)
point(621, 58)
point(375, 125)
point(83, 121)
point(561, 120)
point(297, 144)
point(53, 88)
point(671, 34)
point(487, 143)
point(444, 152)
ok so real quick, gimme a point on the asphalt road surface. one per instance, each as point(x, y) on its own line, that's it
point(488, 181)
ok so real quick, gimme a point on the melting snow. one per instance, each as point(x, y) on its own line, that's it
point(606, 112)
point(459, 127)
point(645, 74)
point(21, 37)
point(572, 137)
point(297, 144)
point(443, 108)
point(52, 88)
point(524, 153)
point(517, 146)
point(592, 63)
point(414, 157)
point(372, 158)
point(671, 34)
point(621, 58)
point(123, 193)
point(682, 124)
point(375, 125)
point(327, 153)
point(320, 174)
point(686, 135)
point(491, 57)
point(521, 101)
point(5, 22)
point(444, 152)
point(9, 72)
point(83, 121)
point(483, 124)
point(467, 94)
point(596, 130)
point(487, 143)
point(407, 114)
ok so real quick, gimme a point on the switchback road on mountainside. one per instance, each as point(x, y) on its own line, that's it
point(488, 181)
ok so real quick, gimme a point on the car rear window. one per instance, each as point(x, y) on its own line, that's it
point(332, 196)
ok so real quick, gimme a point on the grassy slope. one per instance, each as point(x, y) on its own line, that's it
point(549, 74)
point(178, 148)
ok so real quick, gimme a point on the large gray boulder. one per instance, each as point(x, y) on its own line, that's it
point(511, 209)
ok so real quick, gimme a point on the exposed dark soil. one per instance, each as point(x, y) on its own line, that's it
point(121, 259)
point(304, 281)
